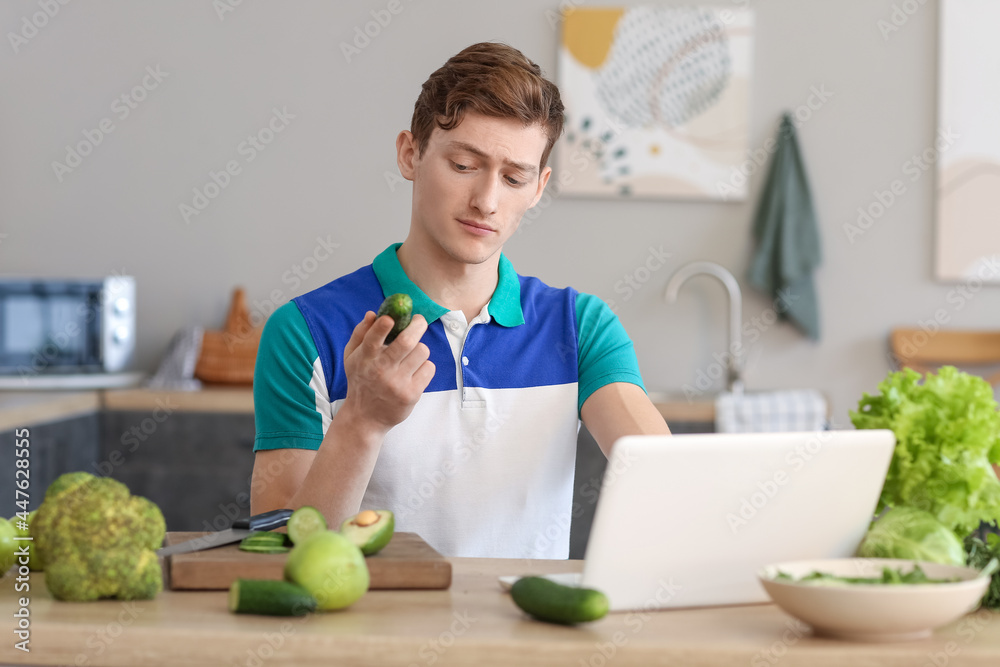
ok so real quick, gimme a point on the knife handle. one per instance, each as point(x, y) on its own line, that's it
point(266, 521)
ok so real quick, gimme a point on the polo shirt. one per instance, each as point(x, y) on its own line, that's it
point(483, 465)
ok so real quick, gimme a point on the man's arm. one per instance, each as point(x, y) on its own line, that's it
point(619, 409)
point(332, 479)
point(384, 382)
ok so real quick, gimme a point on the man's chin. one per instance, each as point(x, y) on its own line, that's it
point(472, 253)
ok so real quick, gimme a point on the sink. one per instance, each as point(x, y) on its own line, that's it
point(734, 351)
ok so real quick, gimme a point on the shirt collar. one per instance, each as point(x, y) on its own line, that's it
point(504, 306)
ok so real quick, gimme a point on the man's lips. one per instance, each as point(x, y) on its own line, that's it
point(476, 225)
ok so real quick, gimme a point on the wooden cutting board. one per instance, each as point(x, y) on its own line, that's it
point(406, 562)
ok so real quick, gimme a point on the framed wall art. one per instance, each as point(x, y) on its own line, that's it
point(657, 101)
point(967, 145)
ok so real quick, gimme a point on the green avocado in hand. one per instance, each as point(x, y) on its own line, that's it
point(400, 308)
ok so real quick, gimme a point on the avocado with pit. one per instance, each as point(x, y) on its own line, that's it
point(371, 530)
point(400, 308)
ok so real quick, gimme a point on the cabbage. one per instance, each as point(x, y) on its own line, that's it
point(912, 534)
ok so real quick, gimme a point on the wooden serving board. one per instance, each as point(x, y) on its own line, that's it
point(406, 562)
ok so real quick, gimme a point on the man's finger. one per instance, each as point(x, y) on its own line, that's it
point(375, 338)
point(424, 374)
point(407, 339)
point(358, 335)
point(417, 356)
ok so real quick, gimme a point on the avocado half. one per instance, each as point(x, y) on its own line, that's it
point(371, 530)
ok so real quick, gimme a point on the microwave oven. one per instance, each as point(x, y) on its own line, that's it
point(64, 327)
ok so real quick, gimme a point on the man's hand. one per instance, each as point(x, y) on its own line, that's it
point(384, 382)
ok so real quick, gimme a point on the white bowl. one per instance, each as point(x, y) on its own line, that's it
point(874, 612)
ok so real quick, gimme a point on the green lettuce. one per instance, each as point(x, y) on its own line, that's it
point(947, 436)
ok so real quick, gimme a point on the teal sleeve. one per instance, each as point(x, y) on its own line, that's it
point(284, 386)
point(606, 353)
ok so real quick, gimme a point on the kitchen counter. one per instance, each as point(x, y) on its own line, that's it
point(29, 407)
point(19, 409)
point(472, 623)
point(217, 399)
point(208, 399)
point(679, 409)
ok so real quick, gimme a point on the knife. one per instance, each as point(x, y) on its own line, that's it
point(240, 529)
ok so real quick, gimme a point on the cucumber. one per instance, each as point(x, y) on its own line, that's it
point(270, 597)
point(304, 522)
point(549, 601)
point(400, 308)
point(265, 548)
point(263, 541)
point(264, 537)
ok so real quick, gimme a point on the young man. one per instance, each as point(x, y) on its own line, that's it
point(465, 426)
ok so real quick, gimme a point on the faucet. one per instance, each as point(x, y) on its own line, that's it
point(734, 358)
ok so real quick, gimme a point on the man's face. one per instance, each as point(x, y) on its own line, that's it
point(472, 184)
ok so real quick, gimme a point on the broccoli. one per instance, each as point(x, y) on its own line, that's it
point(96, 540)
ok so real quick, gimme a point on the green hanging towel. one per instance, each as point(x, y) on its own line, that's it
point(787, 240)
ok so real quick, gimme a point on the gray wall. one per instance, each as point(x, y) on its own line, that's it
point(324, 175)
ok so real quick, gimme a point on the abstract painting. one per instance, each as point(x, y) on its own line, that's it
point(657, 102)
point(967, 146)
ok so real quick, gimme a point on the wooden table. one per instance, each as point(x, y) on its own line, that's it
point(473, 623)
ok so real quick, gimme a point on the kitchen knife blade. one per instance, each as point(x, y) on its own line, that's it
point(240, 529)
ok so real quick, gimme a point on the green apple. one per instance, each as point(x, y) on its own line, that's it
point(34, 561)
point(7, 546)
point(330, 567)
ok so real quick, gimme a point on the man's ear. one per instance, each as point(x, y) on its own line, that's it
point(542, 180)
point(406, 154)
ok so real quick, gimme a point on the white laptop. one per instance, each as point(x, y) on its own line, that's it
point(689, 520)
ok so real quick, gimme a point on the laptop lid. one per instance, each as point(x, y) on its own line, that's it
point(689, 520)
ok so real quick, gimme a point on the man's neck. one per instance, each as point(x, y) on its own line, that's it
point(449, 282)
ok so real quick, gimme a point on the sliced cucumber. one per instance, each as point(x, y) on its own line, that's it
point(270, 597)
point(264, 541)
point(549, 601)
point(265, 548)
point(304, 522)
point(265, 537)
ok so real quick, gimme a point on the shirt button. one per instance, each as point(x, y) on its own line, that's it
point(465, 361)
point(453, 326)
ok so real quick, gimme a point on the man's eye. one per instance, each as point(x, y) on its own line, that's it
point(460, 167)
point(514, 181)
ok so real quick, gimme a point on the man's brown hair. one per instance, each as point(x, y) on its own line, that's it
point(492, 79)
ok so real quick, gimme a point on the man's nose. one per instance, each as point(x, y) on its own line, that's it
point(486, 194)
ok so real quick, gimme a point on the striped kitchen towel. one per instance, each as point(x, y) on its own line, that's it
point(771, 411)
